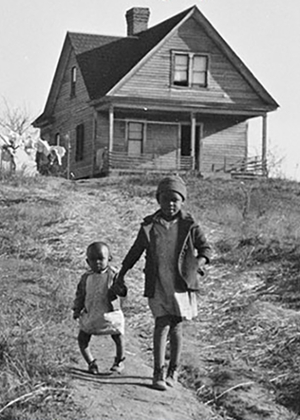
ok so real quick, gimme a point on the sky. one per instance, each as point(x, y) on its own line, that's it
point(265, 34)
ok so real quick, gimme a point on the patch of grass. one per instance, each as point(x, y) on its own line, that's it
point(36, 337)
point(46, 225)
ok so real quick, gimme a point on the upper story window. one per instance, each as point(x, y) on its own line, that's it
point(135, 137)
point(73, 81)
point(189, 70)
point(79, 149)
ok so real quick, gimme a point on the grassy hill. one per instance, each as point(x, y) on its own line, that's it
point(241, 354)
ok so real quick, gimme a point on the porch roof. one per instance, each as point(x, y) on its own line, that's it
point(150, 105)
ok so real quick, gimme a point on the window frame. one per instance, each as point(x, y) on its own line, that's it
point(189, 69)
point(136, 140)
point(73, 81)
point(79, 143)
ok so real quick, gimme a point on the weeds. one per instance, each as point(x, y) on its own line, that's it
point(35, 344)
point(45, 226)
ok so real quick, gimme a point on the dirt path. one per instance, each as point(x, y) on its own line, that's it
point(241, 353)
point(129, 395)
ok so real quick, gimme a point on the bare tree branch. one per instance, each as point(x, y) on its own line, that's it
point(16, 119)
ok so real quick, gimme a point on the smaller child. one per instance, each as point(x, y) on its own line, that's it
point(98, 307)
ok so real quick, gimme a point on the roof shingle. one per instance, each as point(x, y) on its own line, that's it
point(82, 42)
point(103, 67)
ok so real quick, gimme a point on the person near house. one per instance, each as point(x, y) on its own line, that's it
point(97, 306)
point(176, 253)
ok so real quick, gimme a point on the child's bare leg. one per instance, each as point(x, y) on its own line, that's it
point(161, 330)
point(175, 342)
point(83, 342)
point(175, 347)
point(118, 365)
point(119, 342)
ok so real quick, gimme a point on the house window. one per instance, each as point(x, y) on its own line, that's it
point(181, 70)
point(57, 139)
point(79, 142)
point(190, 70)
point(135, 138)
point(73, 81)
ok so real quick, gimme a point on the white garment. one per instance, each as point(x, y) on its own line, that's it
point(99, 316)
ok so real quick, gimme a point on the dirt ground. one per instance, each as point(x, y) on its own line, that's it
point(129, 395)
point(212, 353)
point(236, 354)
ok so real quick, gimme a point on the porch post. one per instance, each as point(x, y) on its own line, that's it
point(264, 145)
point(178, 149)
point(193, 138)
point(199, 157)
point(111, 129)
point(94, 143)
point(68, 144)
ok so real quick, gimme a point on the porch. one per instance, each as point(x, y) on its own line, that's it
point(248, 168)
point(138, 139)
point(118, 161)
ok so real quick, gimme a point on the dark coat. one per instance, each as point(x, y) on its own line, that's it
point(191, 246)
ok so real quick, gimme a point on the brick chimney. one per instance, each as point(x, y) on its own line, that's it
point(137, 20)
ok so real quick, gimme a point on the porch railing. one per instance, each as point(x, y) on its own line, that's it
point(148, 162)
point(253, 166)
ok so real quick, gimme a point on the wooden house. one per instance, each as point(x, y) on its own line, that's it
point(173, 97)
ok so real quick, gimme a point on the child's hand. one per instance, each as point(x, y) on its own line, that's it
point(119, 287)
point(111, 295)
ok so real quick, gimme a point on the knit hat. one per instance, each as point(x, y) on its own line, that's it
point(172, 183)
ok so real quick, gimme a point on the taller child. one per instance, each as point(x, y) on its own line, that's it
point(176, 251)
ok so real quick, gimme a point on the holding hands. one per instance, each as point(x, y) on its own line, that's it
point(119, 287)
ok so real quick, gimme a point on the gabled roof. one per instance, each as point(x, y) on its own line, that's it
point(80, 43)
point(105, 66)
point(106, 61)
point(84, 42)
point(235, 60)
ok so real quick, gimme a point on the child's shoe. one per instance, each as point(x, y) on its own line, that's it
point(159, 380)
point(118, 365)
point(172, 376)
point(93, 368)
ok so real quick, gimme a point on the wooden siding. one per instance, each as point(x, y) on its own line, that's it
point(161, 138)
point(120, 143)
point(68, 113)
point(222, 142)
point(147, 162)
point(102, 136)
point(225, 84)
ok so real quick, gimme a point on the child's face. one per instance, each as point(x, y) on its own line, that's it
point(170, 203)
point(98, 259)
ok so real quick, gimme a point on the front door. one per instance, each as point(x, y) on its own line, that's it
point(186, 144)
